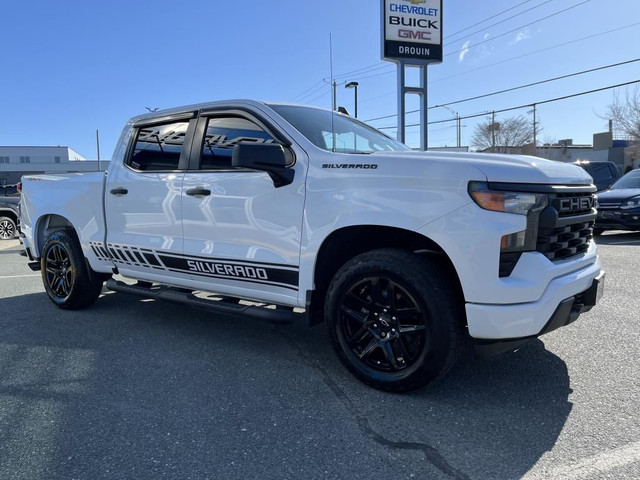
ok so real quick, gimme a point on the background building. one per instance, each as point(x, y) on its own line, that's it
point(18, 161)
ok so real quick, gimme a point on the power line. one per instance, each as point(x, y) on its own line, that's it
point(527, 105)
point(562, 77)
point(304, 94)
point(503, 21)
point(485, 20)
point(519, 57)
point(379, 65)
point(382, 65)
point(564, 44)
point(468, 47)
point(322, 95)
point(477, 97)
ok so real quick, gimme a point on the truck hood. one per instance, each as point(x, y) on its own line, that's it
point(495, 167)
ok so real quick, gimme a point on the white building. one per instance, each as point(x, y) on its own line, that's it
point(17, 161)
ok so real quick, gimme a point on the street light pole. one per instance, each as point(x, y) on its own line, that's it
point(354, 85)
point(457, 117)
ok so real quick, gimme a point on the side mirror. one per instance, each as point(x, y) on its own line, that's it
point(265, 157)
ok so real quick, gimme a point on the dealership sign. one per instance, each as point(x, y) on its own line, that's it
point(412, 31)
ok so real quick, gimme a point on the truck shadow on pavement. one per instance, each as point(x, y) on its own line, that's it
point(139, 389)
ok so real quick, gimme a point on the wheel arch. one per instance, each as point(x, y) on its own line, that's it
point(48, 224)
point(9, 213)
point(347, 242)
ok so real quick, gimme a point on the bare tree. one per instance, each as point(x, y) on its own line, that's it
point(625, 114)
point(507, 136)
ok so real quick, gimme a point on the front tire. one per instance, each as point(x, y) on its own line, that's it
point(65, 275)
point(7, 228)
point(394, 320)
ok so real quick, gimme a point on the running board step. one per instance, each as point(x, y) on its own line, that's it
point(276, 315)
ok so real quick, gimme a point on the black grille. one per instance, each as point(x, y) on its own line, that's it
point(565, 228)
point(565, 242)
point(565, 233)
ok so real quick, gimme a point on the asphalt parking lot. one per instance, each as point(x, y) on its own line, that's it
point(135, 389)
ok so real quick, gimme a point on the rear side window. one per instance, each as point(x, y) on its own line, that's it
point(224, 133)
point(158, 147)
point(602, 173)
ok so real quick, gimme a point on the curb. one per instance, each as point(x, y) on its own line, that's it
point(9, 244)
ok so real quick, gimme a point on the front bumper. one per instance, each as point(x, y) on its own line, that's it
point(563, 300)
point(567, 312)
point(618, 220)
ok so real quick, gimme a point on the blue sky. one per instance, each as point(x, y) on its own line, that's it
point(71, 67)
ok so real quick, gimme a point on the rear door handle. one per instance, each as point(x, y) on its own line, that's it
point(198, 192)
point(118, 191)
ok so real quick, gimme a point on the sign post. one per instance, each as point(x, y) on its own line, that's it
point(412, 37)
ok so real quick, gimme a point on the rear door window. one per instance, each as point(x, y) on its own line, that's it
point(158, 147)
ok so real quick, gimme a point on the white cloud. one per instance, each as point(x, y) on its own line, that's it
point(464, 51)
point(524, 35)
point(486, 36)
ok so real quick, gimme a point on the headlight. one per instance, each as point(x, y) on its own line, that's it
point(519, 203)
point(632, 203)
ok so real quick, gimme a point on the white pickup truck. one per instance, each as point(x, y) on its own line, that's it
point(274, 209)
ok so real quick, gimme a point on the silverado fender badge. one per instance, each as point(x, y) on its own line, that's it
point(361, 166)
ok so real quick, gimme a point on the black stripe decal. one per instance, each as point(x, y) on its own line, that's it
point(140, 258)
point(151, 258)
point(226, 260)
point(272, 284)
point(259, 272)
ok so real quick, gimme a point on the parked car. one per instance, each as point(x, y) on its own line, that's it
point(619, 207)
point(604, 174)
point(9, 199)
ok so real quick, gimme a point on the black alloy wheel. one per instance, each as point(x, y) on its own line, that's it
point(395, 319)
point(68, 280)
point(59, 272)
point(383, 324)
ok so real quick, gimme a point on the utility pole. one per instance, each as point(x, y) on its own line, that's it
point(535, 127)
point(98, 145)
point(457, 117)
point(493, 132)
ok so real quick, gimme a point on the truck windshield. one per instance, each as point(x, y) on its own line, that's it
point(334, 131)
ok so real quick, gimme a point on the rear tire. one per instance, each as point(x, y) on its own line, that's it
point(7, 228)
point(394, 320)
point(65, 275)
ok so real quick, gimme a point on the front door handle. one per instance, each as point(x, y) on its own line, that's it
point(119, 191)
point(198, 192)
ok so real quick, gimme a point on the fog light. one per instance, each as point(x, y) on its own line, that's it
point(515, 242)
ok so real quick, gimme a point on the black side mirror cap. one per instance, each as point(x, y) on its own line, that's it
point(265, 157)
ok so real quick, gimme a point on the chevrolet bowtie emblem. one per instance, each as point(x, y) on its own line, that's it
point(416, 2)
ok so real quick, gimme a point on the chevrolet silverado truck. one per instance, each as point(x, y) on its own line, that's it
point(282, 211)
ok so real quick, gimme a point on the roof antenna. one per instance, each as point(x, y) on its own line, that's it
point(333, 111)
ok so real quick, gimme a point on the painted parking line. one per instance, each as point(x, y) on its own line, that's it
point(592, 467)
point(18, 276)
